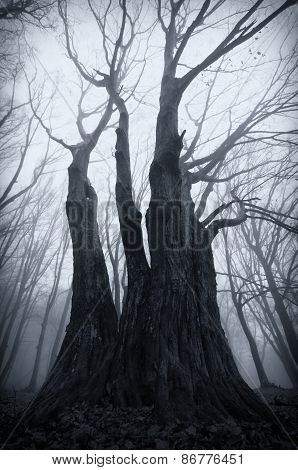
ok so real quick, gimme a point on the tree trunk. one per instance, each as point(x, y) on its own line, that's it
point(91, 332)
point(172, 352)
point(17, 338)
point(283, 314)
point(24, 296)
point(125, 385)
point(282, 348)
point(50, 302)
point(264, 382)
point(237, 299)
point(22, 276)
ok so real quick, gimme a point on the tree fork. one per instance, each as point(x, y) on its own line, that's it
point(126, 385)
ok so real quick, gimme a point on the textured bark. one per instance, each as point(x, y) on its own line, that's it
point(90, 335)
point(197, 376)
point(227, 391)
point(172, 352)
point(124, 383)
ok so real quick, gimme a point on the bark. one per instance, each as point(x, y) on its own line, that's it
point(230, 392)
point(114, 258)
point(172, 352)
point(124, 384)
point(91, 332)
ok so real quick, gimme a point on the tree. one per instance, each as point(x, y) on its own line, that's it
point(250, 289)
point(27, 259)
point(17, 134)
point(278, 300)
point(238, 303)
point(27, 11)
point(60, 256)
point(170, 351)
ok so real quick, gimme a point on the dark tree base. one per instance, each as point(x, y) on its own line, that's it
point(86, 427)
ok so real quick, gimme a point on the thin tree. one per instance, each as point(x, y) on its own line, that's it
point(238, 303)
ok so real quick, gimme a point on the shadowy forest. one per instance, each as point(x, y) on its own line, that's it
point(148, 225)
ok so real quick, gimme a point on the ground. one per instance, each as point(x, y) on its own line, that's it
point(86, 427)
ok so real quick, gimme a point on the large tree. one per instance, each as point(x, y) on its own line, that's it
point(170, 350)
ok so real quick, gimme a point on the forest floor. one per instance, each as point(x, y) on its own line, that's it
point(84, 427)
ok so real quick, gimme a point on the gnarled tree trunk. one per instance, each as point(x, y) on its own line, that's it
point(172, 352)
point(91, 332)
